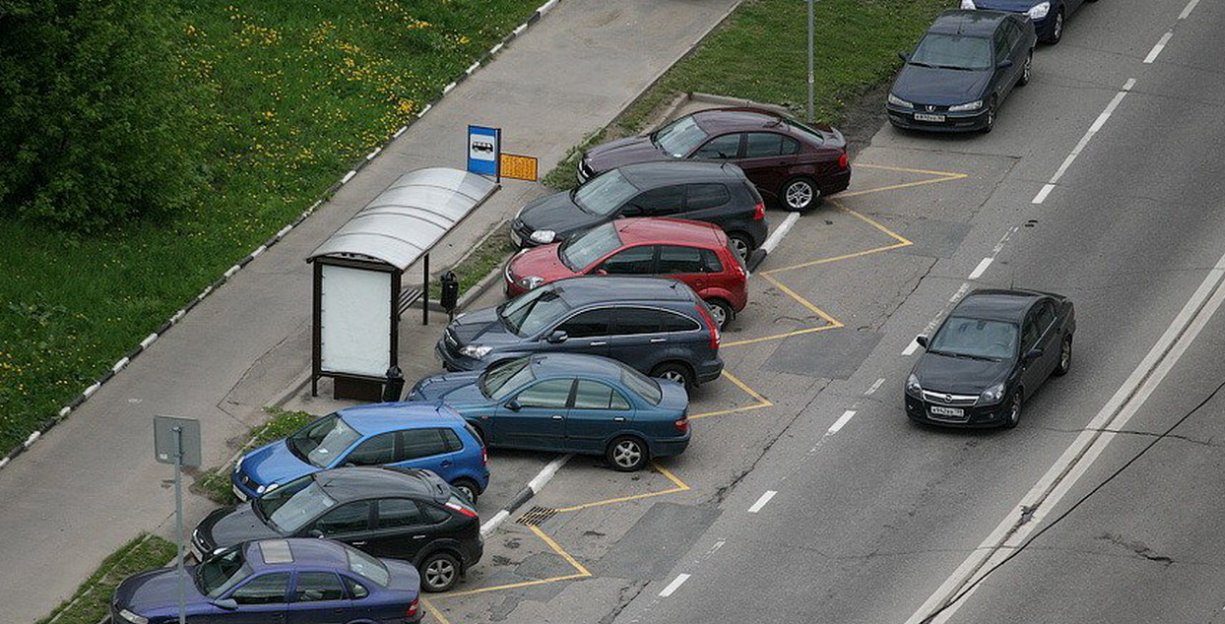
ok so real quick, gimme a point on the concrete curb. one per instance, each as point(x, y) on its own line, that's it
point(723, 100)
point(533, 488)
point(124, 361)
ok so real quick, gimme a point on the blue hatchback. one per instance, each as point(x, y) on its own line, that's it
point(299, 580)
point(569, 403)
point(406, 435)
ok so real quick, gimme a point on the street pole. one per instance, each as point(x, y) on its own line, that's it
point(810, 83)
point(178, 520)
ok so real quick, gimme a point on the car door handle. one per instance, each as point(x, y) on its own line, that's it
point(598, 343)
point(657, 340)
point(418, 537)
point(446, 463)
point(618, 419)
point(557, 416)
point(362, 543)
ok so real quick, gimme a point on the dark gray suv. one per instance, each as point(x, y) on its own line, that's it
point(717, 193)
point(658, 326)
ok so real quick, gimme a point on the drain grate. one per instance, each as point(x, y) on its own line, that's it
point(536, 516)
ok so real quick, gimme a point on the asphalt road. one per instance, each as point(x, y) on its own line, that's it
point(869, 521)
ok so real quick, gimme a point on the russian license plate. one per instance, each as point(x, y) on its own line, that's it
point(938, 410)
point(927, 117)
point(514, 238)
point(242, 496)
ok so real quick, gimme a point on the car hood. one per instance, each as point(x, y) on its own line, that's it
point(942, 87)
point(275, 463)
point(481, 327)
point(540, 262)
point(155, 590)
point(439, 386)
point(559, 213)
point(228, 526)
point(944, 373)
point(1014, 6)
point(625, 151)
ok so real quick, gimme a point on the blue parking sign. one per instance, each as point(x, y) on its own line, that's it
point(484, 150)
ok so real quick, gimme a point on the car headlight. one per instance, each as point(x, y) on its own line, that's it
point(543, 237)
point(1039, 11)
point(132, 617)
point(994, 394)
point(968, 106)
point(912, 385)
point(968, 5)
point(897, 101)
point(260, 489)
point(475, 351)
point(531, 282)
point(271, 486)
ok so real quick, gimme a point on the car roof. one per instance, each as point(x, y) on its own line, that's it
point(383, 417)
point(362, 482)
point(997, 304)
point(622, 289)
point(275, 553)
point(649, 175)
point(976, 23)
point(573, 364)
point(666, 230)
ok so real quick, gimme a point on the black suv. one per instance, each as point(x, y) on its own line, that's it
point(718, 193)
point(657, 326)
point(397, 513)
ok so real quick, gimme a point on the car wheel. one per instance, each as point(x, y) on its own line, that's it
point(1014, 410)
point(1057, 30)
point(990, 116)
point(467, 488)
point(721, 311)
point(741, 243)
point(1065, 357)
point(439, 572)
point(626, 454)
point(674, 372)
point(1028, 70)
point(800, 194)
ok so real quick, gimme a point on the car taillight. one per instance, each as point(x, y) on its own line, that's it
point(843, 161)
point(412, 609)
point(682, 425)
point(484, 455)
point(460, 508)
point(710, 322)
point(759, 211)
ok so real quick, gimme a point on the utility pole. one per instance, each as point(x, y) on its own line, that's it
point(810, 82)
point(177, 441)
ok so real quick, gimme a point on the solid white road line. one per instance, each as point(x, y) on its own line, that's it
point(1152, 54)
point(875, 386)
point(777, 235)
point(761, 502)
point(841, 422)
point(674, 585)
point(1084, 140)
point(981, 268)
point(1041, 196)
point(1187, 11)
point(1011, 533)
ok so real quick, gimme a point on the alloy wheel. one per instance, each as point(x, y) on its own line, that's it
point(799, 194)
point(673, 375)
point(1057, 33)
point(440, 573)
point(627, 454)
point(740, 246)
point(467, 492)
point(719, 314)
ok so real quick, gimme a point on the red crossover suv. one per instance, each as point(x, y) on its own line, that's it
point(792, 163)
point(693, 252)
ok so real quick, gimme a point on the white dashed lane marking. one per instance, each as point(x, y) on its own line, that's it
point(761, 502)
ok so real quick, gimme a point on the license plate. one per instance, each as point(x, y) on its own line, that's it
point(242, 496)
point(195, 552)
point(927, 117)
point(938, 410)
point(514, 238)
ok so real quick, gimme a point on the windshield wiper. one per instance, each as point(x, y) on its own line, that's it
point(955, 67)
point(920, 64)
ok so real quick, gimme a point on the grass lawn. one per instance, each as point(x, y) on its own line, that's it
point(760, 54)
point(296, 93)
point(92, 599)
point(215, 484)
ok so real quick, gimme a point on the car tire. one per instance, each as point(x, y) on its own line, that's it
point(742, 244)
point(799, 194)
point(468, 488)
point(1027, 71)
point(1057, 31)
point(1014, 410)
point(627, 454)
point(991, 112)
point(721, 311)
point(1065, 357)
point(675, 371)
point(439, 572)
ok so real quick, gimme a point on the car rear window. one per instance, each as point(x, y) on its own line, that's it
point(367, 567)
point(641, 385)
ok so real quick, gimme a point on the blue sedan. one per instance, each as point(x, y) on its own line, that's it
point(1048, 15)
point(307, 580)
point(569, 403)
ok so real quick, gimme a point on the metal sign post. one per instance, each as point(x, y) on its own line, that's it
point(810, 83)
point(177, 441)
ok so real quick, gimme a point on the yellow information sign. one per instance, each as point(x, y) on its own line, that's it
point(519, 167)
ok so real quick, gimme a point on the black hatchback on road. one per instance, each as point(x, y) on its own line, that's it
point(995, 349)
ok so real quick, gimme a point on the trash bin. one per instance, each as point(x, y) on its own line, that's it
point(450, 292)
point(394, 386)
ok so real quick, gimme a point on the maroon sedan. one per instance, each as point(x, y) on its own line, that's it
point(693, 252)
point(790, 162)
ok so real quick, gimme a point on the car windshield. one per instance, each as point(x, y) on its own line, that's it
point(217, 574)
point(604, 194)
point(289, 507)
point(975, 338)
point(533, 311)
point(322, 441)
point(580, 251)
point(498, 382)
point(368, 567)
point(680, 137)
point(641, 385)
point(953, 52)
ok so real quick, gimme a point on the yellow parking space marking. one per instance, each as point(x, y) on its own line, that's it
point(857, 254)
point(432, 610)
point(761, 402)
point(804, 302)
point(940, 176)
point(872, 222)
point(946, 174)
point(580, 572)
point(677, 486)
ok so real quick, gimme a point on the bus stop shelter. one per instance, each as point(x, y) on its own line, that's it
point(360, 290)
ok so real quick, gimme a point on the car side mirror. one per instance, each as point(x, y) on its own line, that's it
point(1005, 64)
point(229, 604)
point(513, 405)
point(557, 337)
point(904, 56)
point(315, 533)
point(601, 271)
point(1033, 354)
point(921, 340)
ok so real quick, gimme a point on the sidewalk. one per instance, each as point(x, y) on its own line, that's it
point(91, 483)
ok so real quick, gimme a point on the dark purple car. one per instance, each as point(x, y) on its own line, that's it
point(277, 580)
point(789, 162)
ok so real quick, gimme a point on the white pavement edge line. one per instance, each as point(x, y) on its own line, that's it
point(911, 348)
point(1152, 54)
point(535, 485)
point(981, 268)
point(777, 235)
point(761, 502)
point(674, 585)
point(1084, 140)
point(1080, 455)
point(1187, 11)
point(841, 422)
